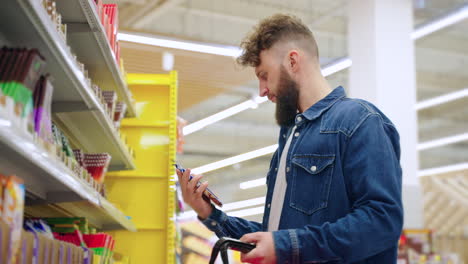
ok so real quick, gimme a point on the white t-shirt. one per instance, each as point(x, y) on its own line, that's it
point(280, 188)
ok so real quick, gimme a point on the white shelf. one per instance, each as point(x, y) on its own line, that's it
point(26, 23)
point(48, 180)
point(88, 40)
point(82, 129)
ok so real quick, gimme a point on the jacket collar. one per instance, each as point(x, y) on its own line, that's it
point(321, 106)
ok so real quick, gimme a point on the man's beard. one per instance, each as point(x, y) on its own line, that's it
point(286, 99)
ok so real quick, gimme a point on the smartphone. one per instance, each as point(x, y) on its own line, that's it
point(208, 195)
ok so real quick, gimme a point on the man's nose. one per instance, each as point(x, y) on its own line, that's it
point(263, 90)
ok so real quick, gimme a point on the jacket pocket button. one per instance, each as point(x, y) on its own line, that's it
point(313, 168)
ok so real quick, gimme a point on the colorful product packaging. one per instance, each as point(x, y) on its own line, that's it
point(102, 245)
point(42, 109)
point(110, 97)
point(13, 208)
point(97, 165)
point(20, 69)
point(120, 109)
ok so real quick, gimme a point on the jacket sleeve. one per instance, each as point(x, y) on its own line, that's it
point(228, 226)
point(372, 171)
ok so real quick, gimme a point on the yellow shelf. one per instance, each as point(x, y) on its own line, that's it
point(147, 194)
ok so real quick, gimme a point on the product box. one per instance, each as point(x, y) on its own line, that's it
point(13, 207)
point(110, 97)
point(45, 249)
point(5, 238)
point(55, 257)
point(26, 253)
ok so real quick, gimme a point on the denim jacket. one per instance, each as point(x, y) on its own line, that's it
point(343, 199)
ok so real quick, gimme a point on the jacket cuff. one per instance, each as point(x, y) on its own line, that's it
point(215, 221)
point(286, 246)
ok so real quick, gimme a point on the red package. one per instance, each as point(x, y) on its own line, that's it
point(120, 109)
point(96, 165)
point(112, 13)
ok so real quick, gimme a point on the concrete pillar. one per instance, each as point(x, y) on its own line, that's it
point(383, 72)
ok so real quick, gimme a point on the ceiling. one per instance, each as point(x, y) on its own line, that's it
point(210, 83)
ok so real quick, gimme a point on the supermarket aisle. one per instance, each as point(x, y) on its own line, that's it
point(99, 99)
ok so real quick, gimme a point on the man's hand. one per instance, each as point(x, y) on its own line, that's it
point(193, 195)
point(264, 252)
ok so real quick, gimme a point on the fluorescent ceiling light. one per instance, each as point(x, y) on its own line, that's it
point(252, 183)
point(228, 207)
point(445, 169)
point(236, 159)
point(5, 122)
point(443, 22)
point(442, 99)
point(443, 142)
point(253, 103)
point(229, 51)
point(244, 203)
point(247, 212)
point(336, 66)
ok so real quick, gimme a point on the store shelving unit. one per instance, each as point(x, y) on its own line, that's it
point(88, 39)
point(49, 181)
point(75, 105)
point(52, 188)
point(148, 193)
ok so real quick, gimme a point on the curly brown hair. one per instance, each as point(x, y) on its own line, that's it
point(272, 30)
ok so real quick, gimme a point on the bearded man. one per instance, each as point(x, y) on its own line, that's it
point(334, 184)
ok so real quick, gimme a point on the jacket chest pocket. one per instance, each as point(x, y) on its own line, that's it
point(312, 176)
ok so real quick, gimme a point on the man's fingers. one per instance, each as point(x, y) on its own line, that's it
point(250, 257)
point(201, 189)
point(192, 184)
point(184, 178)
point(250, 238)
point(179, 175)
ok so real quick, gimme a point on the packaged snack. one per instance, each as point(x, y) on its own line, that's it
point(97, 165)
point(4, 236)
point(110, 97)
point(42, 109)
point(2, 184)
point(120, 109)
point(13, 207)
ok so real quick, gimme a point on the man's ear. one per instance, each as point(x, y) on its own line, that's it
point(293, 60)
